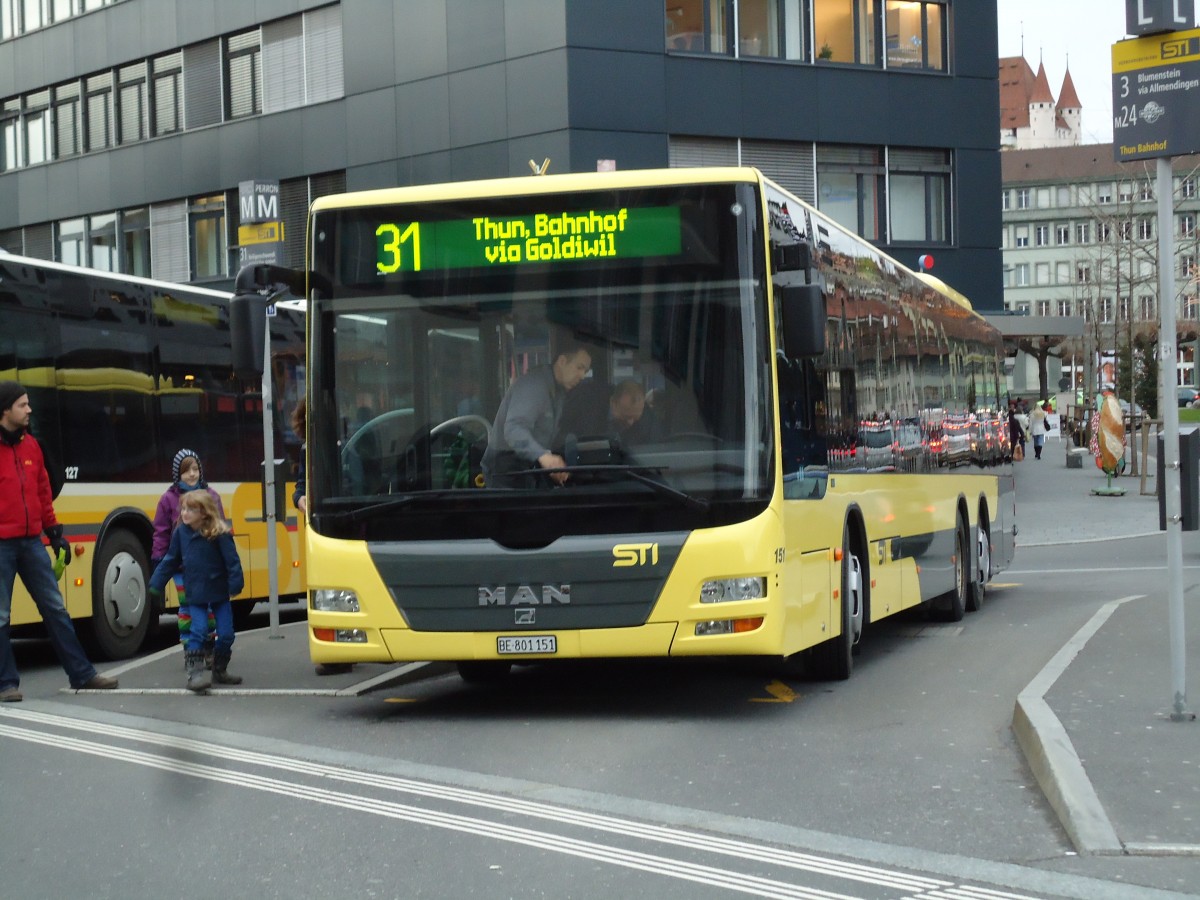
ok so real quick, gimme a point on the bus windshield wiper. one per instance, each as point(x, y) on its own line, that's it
point(370, 510)
point(637, 473)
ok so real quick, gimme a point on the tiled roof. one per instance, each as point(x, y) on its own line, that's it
point(1078, 163)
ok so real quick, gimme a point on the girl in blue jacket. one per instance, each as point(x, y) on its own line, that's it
point(206, 550)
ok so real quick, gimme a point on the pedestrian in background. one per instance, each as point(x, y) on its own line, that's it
point(26, 513)
point(186, 475)
point(1016, 432)
point(203, 547)
point(1038, 428)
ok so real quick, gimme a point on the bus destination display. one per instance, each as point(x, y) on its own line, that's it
point(489, 241)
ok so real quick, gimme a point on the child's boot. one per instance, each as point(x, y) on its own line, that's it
point(219, 673)
point(199, 678)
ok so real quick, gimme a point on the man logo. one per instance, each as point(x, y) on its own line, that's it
point(524, 595)
point(635, 555)
point(526, 616)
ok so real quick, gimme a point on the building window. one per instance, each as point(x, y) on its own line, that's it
point(1086, 310)
point(1106, 310)
point(1022, 236)
point(844, 31)
point(1123, 308)
point(1021, 275)
point(1041, 236)
point(698, 26)
point(1187, 224)
point(915, 35)
point(1064, 307)
point(166, 74)
point(98, 109)
point(1083, 232)
point(1145, 228)
point(1189, 307)
point(1125, 230)
point(919, 195)
point(1062, 273)
point(131, 99)
point(206, 237)
point(1103, 232)
point(102, 242)
point(774, 28)
point(1023, 308)
point(1041, 273)
point(37, 127)
point(68, 127)
point(1064, 196)
point(1146, 191)
point(10, 130)
point(1043, 307)
point(243, 73)
point(135, 242)
point(1024, 198)
point(850, 187)
point(1187, 188)
point(1062, 235)
point(1104, 193)
point(71, 247)
point(1083, 274)
point(1125, 192)
point(1004, 202)
point(1146, 309)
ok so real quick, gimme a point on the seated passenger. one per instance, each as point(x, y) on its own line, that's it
point(625, 409)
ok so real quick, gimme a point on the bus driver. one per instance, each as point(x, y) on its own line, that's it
point(528, 419)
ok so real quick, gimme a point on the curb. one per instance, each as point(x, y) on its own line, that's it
point(1052, 756)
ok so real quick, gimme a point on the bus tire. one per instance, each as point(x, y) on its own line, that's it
point(483, 671)
point(121, 607)
point(833, 660)
point(983, 565)
point(954, 604)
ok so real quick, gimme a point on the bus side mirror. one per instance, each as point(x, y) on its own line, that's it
point(791, 257)
point(247, 334)
point(802, 307)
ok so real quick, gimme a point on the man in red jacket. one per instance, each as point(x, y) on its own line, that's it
point(26, 512)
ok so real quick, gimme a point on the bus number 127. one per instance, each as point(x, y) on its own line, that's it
point(392, 238)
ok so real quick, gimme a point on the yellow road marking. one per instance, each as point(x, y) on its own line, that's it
point(780, 693)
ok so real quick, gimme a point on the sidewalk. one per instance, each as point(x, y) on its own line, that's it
point(270, 663)
point(1095, 725)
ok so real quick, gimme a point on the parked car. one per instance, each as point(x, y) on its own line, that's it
point(1137, 410)
point(1187, 396)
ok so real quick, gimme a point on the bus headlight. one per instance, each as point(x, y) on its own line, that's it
point(334, 600)
point(733, 589)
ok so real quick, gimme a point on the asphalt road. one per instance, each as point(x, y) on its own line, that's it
point(600, 779)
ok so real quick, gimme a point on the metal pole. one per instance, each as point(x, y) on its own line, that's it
point(1168, 363)
point(269, 512)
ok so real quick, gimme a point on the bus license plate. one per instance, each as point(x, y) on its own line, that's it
point(527, 643)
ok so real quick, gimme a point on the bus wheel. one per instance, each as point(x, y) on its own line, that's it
point(954, 604)
point(483, 671)
point(833, 660)
point(983, 566)
point(121, 608)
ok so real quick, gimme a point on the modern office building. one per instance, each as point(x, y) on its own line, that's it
point(126, 126)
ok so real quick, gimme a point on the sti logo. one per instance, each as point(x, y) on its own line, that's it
point(635, 555)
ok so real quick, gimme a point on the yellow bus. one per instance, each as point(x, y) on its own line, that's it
point(122, 372)
point(822, 443)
